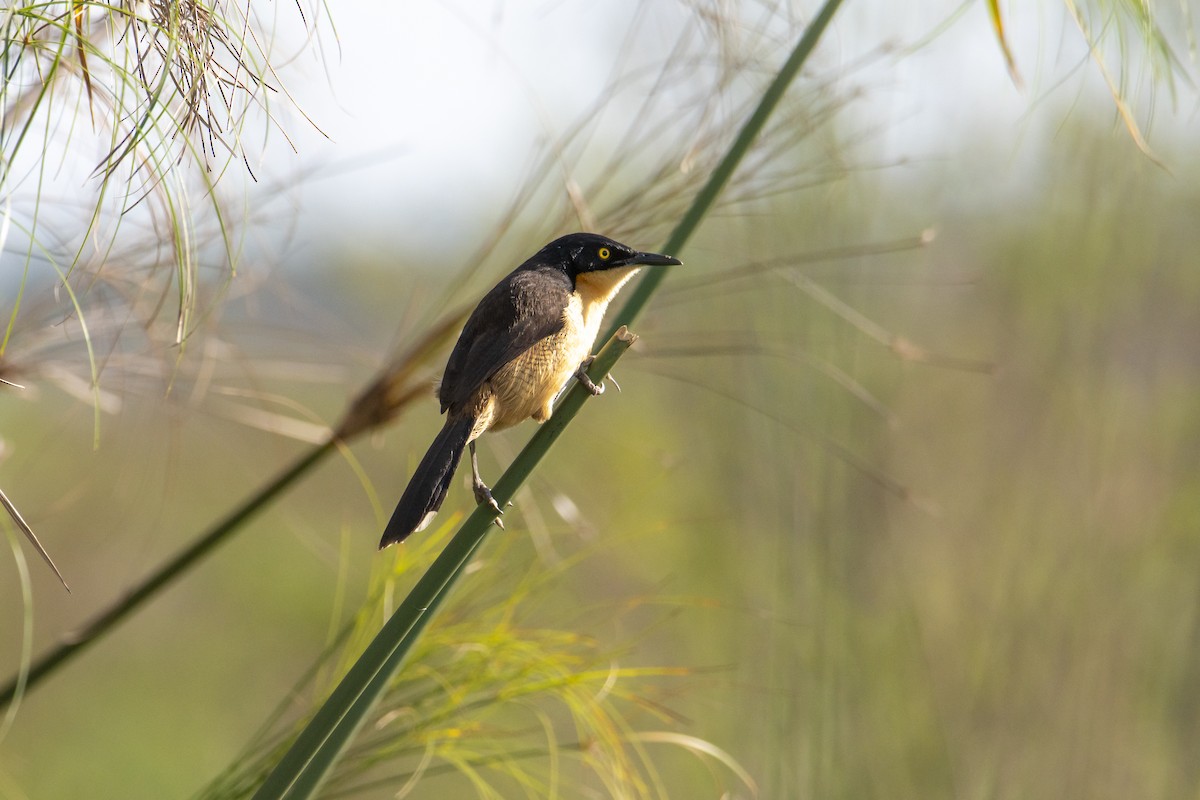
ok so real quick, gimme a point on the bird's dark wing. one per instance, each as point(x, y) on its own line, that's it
point(524, 308)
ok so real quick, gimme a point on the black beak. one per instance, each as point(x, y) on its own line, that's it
point(652, 260)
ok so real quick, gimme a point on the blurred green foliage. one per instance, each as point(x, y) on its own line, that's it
point(891, 577)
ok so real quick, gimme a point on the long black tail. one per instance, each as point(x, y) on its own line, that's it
point(427, 488)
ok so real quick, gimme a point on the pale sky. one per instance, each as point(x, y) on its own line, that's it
point(447, 107)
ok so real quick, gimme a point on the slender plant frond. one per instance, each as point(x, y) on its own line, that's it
point(146, 106)
point(23, 580)
point(20, 522)
point(1147, 59)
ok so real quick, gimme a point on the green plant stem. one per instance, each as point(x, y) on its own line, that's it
point(309, 761)
point(716, 182)
point(379, 402)
point(163, 576)
point(311, 758)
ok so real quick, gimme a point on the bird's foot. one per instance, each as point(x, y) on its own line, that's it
point(595, 389)
point(483, 496)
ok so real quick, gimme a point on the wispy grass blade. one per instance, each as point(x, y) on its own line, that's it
point(11, 508)
point(1002, 40)
point(26, 586)
point(308, 763)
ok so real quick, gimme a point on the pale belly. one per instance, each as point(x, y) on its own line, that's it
point(528, 385)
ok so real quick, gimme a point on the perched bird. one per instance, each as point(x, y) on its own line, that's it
point(520, 347)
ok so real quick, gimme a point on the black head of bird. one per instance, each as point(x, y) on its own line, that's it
point(524, 342)
point(577, 253)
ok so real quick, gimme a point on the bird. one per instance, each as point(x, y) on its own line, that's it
point(530, 335)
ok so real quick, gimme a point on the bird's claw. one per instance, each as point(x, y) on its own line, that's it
point(483, 496)
point(594, 389)
point(499, 512)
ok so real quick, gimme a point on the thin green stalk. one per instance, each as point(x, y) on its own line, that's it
point(311, 757)
point(160, 578)
point(724, 171)
point(383, 398)
point(310, 760)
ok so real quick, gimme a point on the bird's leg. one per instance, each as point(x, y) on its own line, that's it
point(483, 495)
point(581, 375)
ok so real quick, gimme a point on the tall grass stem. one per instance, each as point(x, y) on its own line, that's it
point(311, 759)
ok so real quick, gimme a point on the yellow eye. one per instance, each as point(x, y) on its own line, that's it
point(603, 253)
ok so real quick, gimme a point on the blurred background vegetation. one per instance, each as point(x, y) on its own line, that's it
point(901, 497)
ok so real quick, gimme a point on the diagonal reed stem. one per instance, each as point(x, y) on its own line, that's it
point(331, 729)
point(309, 762)
point(391, 390)
point(310, 759)
point(77, 641)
